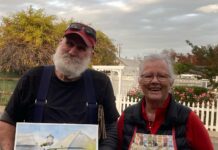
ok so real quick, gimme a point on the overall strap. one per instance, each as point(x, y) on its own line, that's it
point(42, 93)
point(91, 98)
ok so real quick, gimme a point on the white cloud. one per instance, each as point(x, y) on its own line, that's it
point(130, 5)
point(169, 29)
point(156, 11)
point(147, 27)
point(33, 5)
point(213, 8)
point(145, 20)
point(56, 3)
point(119, 4)
point(140, 26)
point(139, 2)
point(183, 17)
point(191, 15)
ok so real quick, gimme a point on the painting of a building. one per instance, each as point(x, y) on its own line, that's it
point(39, 136)
point(77, 140)
point(27, 142)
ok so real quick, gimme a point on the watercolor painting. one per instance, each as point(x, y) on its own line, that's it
point(51, 136)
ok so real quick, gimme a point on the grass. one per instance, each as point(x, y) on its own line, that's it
point(8, 82)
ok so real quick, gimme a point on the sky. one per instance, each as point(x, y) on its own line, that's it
point(136, 27)
point(57, 130)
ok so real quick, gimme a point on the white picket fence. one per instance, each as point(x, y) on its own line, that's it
point(207, 112)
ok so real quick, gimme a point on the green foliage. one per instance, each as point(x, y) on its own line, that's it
point(206, 62)
point(28, 38)
point(9, 75)
point(7, 86)
point(192, 94)
point(135, 93)
point(105, 51)
point(181, 68)
point(181, 93)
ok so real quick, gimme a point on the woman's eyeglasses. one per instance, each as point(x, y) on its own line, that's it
point(78, 27)
point(147, 77)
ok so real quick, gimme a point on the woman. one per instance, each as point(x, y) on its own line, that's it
point(157, 118)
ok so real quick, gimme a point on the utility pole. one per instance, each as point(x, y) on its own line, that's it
point(119, 49)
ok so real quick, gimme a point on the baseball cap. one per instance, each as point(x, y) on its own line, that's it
point(87, 33)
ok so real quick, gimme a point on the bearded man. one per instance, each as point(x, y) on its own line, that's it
point(66, 92)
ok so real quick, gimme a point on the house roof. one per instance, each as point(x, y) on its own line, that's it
point(129, 62)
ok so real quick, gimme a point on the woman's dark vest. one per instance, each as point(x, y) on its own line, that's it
point(176, 116)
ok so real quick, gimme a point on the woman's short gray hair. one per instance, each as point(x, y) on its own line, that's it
point(162, 57)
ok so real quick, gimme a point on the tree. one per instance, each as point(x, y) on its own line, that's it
point(181, 68)
point(27, 39)
point(105, 51)
point(182, 63)
point(206, 61)
point(171, 53)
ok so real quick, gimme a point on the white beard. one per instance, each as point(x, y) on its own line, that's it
point(71, 67)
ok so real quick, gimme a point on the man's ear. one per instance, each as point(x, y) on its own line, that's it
point(61, 39)
point(92, 53)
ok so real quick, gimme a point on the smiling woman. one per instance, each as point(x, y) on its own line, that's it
point(155, 81)
point(158, 118)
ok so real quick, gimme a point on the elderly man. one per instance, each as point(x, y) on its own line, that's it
point(159, 121)
point(67, 92)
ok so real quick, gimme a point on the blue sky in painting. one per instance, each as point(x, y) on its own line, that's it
point(57, 130)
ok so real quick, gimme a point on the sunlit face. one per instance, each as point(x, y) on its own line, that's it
point(72, 57)
point(155, 81)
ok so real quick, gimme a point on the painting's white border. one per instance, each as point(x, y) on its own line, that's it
point(43, 129)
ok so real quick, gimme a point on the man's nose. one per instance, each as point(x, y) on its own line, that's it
point(73, 50)
point(154, 79)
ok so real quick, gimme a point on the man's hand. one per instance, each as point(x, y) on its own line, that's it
point(7, 135)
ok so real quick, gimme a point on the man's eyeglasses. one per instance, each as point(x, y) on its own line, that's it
point(71, 43)
point(147, 77)
point(78, 27)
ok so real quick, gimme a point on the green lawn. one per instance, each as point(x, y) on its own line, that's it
point(7, 86)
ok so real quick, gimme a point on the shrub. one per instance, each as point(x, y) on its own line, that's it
point(192, 94)
point(135, 93)
point(181, 93)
